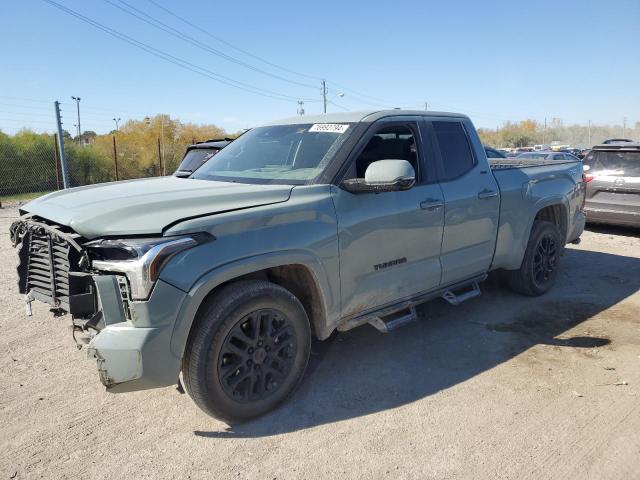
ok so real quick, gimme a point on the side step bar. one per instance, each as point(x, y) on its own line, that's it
point(400, 318)
point(462, 295)
point(391, 316)
point(395, 320)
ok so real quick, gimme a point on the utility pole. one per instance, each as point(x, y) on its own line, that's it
point(55, 151)
point(63, 158)
point(426, 106)
point(117, 121)
point(162, 162)
point(624, 126)
point(300, 110)
point(324, 96)
point(115, 158)
point(77, 100)
point(589, 133)
point(160, 158)
point(544, 131)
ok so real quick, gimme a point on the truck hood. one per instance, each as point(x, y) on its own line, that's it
point(147, 206)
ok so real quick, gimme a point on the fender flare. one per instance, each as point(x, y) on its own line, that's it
point(539, 205)
point(226, 272)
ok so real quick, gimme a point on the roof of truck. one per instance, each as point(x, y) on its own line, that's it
point(620, 146)
point(364, 115)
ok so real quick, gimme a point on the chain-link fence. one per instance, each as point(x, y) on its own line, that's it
point(30, 163)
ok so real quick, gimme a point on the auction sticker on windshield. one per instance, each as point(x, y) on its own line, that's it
point(329, 128)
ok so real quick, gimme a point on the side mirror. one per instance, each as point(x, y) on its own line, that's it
point(383, 176)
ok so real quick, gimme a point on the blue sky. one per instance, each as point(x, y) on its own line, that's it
point(494, 60)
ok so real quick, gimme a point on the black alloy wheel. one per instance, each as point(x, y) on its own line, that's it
point(257, 355)
point(545, 259)
point(247, 351)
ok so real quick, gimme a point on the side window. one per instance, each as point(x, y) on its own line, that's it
point(391, 142)
point(455, 150)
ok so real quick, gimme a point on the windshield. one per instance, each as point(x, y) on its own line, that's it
point(290, 154)
point(614, 163)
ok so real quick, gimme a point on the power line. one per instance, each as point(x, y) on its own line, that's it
point(176, 60)
point(154, 22)
point(338, 105)
point(23, 120)
point(24, 106)
point(26, 99)
point(230, 45)
point(366, 99)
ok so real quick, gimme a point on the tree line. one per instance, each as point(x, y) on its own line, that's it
point(530, 132)
point(140, 148)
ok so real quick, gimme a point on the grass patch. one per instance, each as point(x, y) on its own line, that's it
point(6, 199)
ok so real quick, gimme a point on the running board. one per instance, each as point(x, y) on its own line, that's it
point(394, 321)
point(464, 294)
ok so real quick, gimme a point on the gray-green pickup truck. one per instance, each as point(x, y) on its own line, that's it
point(298, 228)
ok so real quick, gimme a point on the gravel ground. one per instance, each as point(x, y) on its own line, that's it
point(502, 386)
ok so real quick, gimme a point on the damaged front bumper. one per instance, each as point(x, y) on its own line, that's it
point(132, 350)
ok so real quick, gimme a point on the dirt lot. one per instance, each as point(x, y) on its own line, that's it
point(501, 387)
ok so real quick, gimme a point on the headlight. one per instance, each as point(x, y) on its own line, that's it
point(140, 259)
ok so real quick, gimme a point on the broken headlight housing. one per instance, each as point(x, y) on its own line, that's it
point(140, 259)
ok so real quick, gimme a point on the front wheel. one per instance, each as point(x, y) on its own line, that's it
point(539, 268)
point(249, 350)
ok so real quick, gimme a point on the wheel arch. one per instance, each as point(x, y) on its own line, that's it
point(553, 209)
point(299, 273)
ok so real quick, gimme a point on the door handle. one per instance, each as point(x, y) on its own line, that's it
point(431, 204)
point(486, 193)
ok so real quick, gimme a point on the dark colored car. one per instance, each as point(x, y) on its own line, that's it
point(584, 153)
point(563, 157)
point(198, 153)
point(494, 153)
point(573, 151)
point(616, 140)
point(612, 173)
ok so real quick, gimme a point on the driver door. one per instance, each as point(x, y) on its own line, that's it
point(389, 242)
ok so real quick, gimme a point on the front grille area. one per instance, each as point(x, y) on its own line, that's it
point(50, 267)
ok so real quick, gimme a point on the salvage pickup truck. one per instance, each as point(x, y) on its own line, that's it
point(300, 227)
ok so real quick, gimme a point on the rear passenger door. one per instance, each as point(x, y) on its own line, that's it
point(472, 200)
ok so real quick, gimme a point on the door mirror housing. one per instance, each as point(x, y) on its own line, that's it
point(383, 176)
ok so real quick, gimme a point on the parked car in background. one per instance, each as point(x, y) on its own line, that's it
point(566, 157)
point(612, 173)
point(616, 140)
point(573, 151)
point(494, 153)
point(540, 147)
point(198, 153)
point(584, 153)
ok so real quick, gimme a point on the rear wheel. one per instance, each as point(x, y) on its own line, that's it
point(249, 350)
point(539, 268)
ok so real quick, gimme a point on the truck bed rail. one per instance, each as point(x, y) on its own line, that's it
point(502, 163)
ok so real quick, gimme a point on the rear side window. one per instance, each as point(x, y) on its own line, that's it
point(195, 158)
point(614, 163)
point(455, 150)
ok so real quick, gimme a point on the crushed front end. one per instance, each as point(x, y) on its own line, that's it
point(128, 339)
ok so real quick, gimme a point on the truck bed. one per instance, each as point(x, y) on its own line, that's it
point(526, 185)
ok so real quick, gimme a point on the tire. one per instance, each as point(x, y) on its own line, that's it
point(541, 261)
point(248, 351)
